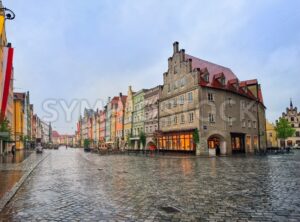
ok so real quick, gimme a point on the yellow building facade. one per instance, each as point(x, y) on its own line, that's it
point(271, 135)
point(19, 119)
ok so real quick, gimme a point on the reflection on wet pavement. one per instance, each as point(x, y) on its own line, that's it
point(18, 158)
point(71, 185)
point(8, 179)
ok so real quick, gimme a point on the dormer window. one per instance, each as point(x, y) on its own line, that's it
point(206, 77)
point(222, 81)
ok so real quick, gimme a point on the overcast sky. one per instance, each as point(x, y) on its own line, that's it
point(74, 49)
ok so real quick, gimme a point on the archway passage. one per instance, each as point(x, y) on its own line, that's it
point(214, 143)
point(217, 143)
point(151, 146)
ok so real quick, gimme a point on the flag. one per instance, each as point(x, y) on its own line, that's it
point(7, 74)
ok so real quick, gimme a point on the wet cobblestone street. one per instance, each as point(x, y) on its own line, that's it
point(70, 185)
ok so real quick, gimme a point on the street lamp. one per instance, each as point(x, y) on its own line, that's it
point(9, 14)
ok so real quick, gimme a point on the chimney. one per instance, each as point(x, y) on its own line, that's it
point(108, 100)
point(190, 67)
point(120, 94)
point(182, 55)
point(175, 47)
point(129, 88)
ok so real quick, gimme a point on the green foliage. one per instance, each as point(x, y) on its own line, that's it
point(143, 139)
point(284, 129)
point(129, 141)
point(196, 138)
point(4, 127)
point(86, 143)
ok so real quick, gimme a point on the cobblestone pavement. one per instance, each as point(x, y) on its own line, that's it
point(71, 185)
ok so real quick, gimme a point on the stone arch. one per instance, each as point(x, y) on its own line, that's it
point(217, 144)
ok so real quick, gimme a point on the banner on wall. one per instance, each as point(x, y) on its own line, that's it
point(8, 54)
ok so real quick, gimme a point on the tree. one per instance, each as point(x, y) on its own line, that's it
point(143, 139)
point(284, 129)
point(5, 128)
point(129, 141)
point(196, 138)
point(86, 143)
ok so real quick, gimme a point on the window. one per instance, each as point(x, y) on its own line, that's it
point(169, 121)
point(249, 123)
point(230, 121)
point(211, 118)
point(190, 97)
point(230, 101)
point(254, 124)
point(244, 123)
point(181, 100)
point(174, 102)
point(175, 69)
point(175, 85)
point(147, 129)
point(150, 129)
point(191, 117)
point(297, 134)
point(243, 105)
point(175, 120)
point(206, 78)
point(292, 119)
point(210, 97)
point(169, 88)
point(182, 82)
point(169, 105)
point(182, 118)
point(163, 122)
point(293, 125)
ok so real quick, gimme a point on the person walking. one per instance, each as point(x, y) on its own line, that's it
point(13, 150)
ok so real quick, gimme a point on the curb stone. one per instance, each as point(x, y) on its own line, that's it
point(10, 194)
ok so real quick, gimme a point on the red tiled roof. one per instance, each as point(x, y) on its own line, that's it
point(211, 67)
point(217, 71)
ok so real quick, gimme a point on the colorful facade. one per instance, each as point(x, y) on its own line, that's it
point(138, 117)
point(272, 140)
point(128, 114)
point(120, 114)
point(151, 116)
point(19, 119)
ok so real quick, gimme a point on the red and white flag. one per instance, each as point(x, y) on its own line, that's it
point(8, 54)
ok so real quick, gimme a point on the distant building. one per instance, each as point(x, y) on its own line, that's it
point(138, 118)
point(293, 116)
point(19, 119)
point(151, 115)
point(272, 140)
point(128, 114)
